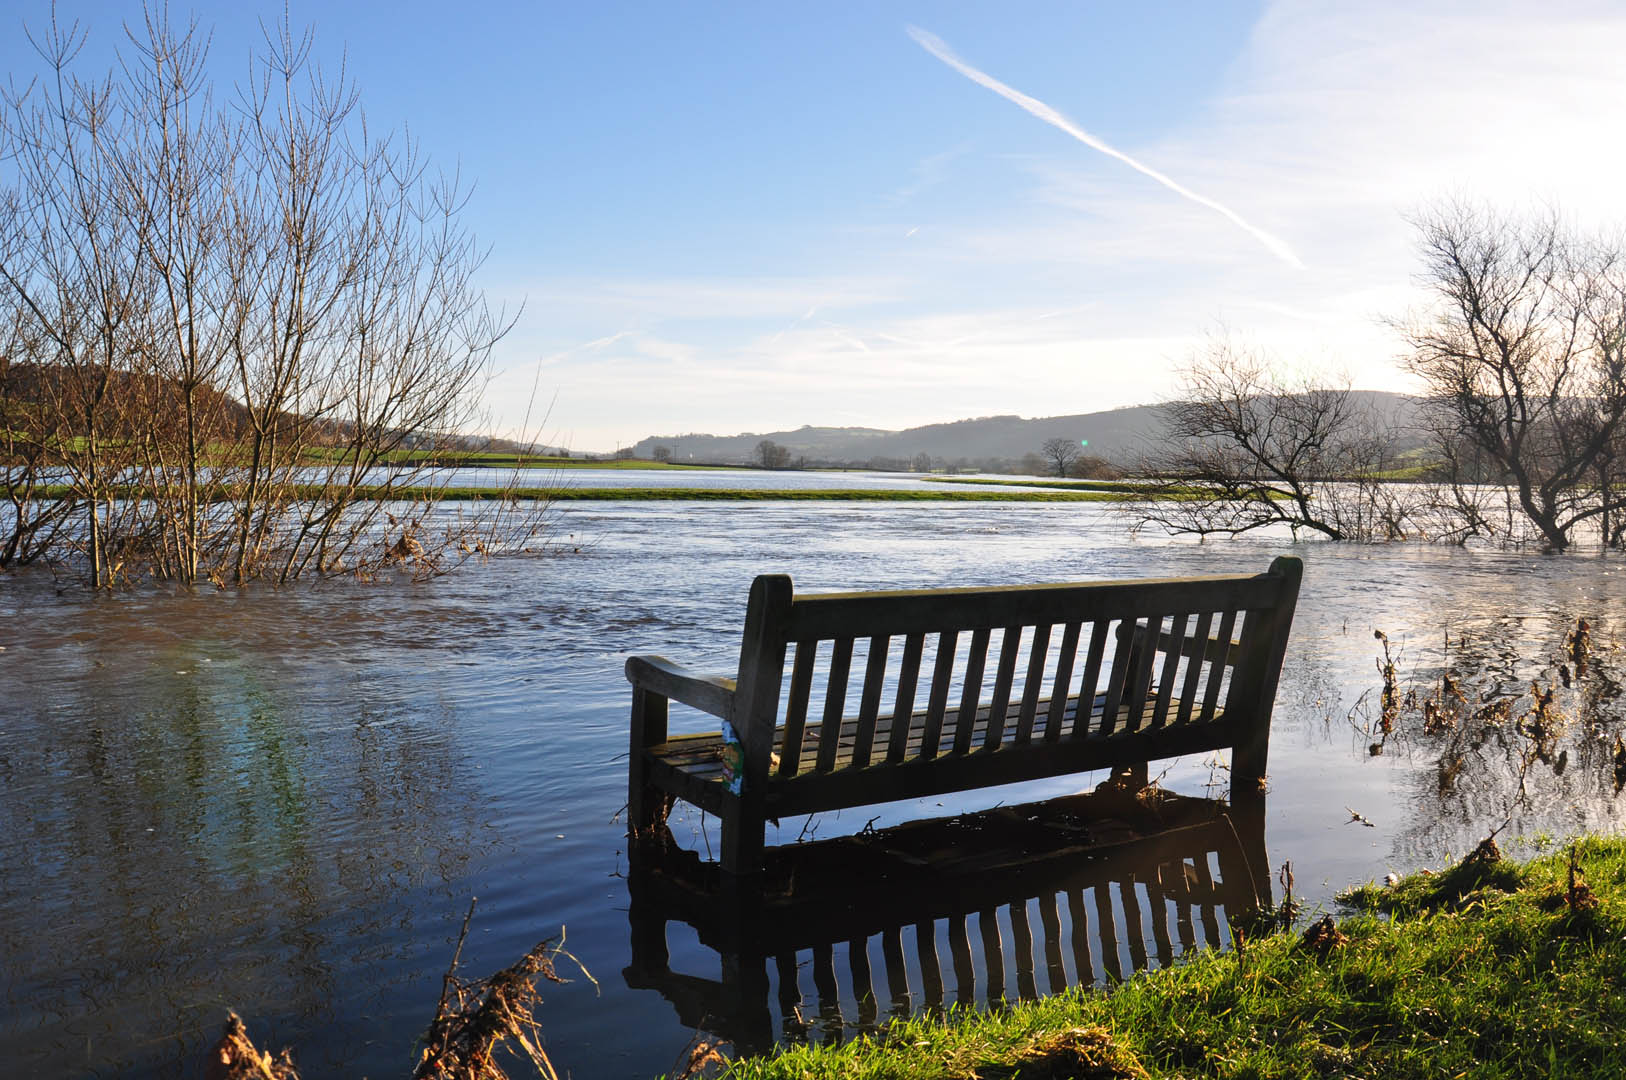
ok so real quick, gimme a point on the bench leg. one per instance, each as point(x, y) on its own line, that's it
point(744, 832)
point(647, 806)
point(1248, 762)
point(745, 992)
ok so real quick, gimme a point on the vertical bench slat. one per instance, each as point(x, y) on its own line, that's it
point(903, 707)
point(1009, 645)
point(1050, 920)
point(1111, 963)
point(1063, 684)
point(1171, 665)
point(1100, 630)
point(870, 706)
point(1118, 677)
point(1205, 910)
point(1182, 917)
point(1216, 668)
point(790, 987)
point(1194, 666)
point(993, 954)
point(931, 970)
point(965, 975)
point(1140, 680)
point(863, 980)
point(801, 688)
point(824, 981)
point(1022, 950)
point(897, 975)
point(1134, 929)
point(1082, 968)
point(971, 693)
point(937, 703)
point(1033, 684)
point(1159, 904)
point(835, 703)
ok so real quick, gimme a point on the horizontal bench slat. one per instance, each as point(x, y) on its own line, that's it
point(818, 616)
point(698, 755)
point(1010, 764)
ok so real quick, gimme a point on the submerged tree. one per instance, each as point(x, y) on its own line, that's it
point(1524, 359)
point(1245, 447)
point(237, 330)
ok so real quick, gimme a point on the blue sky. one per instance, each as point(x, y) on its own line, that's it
point(754, 216)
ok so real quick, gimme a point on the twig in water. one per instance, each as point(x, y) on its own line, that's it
point(479, 1016)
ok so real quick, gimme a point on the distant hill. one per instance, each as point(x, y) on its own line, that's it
point(1119, 435)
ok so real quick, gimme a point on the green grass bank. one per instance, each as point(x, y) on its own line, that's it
point(571, 493)
point(1488, 969)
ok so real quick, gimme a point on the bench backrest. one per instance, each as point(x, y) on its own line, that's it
point(1168, 652)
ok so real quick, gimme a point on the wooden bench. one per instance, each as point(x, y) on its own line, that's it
point(1140, 670)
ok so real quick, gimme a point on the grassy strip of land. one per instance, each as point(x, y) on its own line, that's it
point(1068, 485)
point(1123, 488)
point(684, 494)
point(1489, 969)
point(569, 493)
point(486, 459)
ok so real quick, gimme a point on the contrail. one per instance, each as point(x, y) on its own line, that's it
point(934, 45)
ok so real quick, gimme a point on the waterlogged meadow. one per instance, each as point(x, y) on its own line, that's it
point(281, 802)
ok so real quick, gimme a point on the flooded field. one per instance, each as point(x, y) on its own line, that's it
point(281, 803)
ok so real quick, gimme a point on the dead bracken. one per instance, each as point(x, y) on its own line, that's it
point(235, 1057)
point(1322, 936)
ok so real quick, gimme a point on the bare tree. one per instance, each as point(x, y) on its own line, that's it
point(1246, 448)
point(248, 326)
point(770, 455)
point(1524, 358)
point(1060, 453)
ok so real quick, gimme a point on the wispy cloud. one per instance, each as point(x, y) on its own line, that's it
point(935, 45)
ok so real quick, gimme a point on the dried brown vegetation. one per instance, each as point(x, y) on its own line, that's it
point(1503, 731)
point(235, 1057)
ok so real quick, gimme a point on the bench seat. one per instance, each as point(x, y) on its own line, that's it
point(692, 766)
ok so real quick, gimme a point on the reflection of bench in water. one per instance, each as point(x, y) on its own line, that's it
point(1018, 683)
point(1100, 883)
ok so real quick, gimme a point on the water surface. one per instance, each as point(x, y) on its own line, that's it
point(281, 803)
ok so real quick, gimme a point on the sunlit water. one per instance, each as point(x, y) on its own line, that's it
point(739, 479)
point(281, 803)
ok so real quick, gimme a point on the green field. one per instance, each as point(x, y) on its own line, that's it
point(568, 493)
point(676, 494)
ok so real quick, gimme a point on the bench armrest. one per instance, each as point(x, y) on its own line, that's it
point(676, 683)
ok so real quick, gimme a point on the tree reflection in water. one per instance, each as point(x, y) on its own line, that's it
point(195, 842)
point(1514, 742)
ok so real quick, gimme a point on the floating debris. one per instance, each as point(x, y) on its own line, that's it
point(1356, 815)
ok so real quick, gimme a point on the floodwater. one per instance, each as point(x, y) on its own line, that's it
point(736, 479)
point(282, 803)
